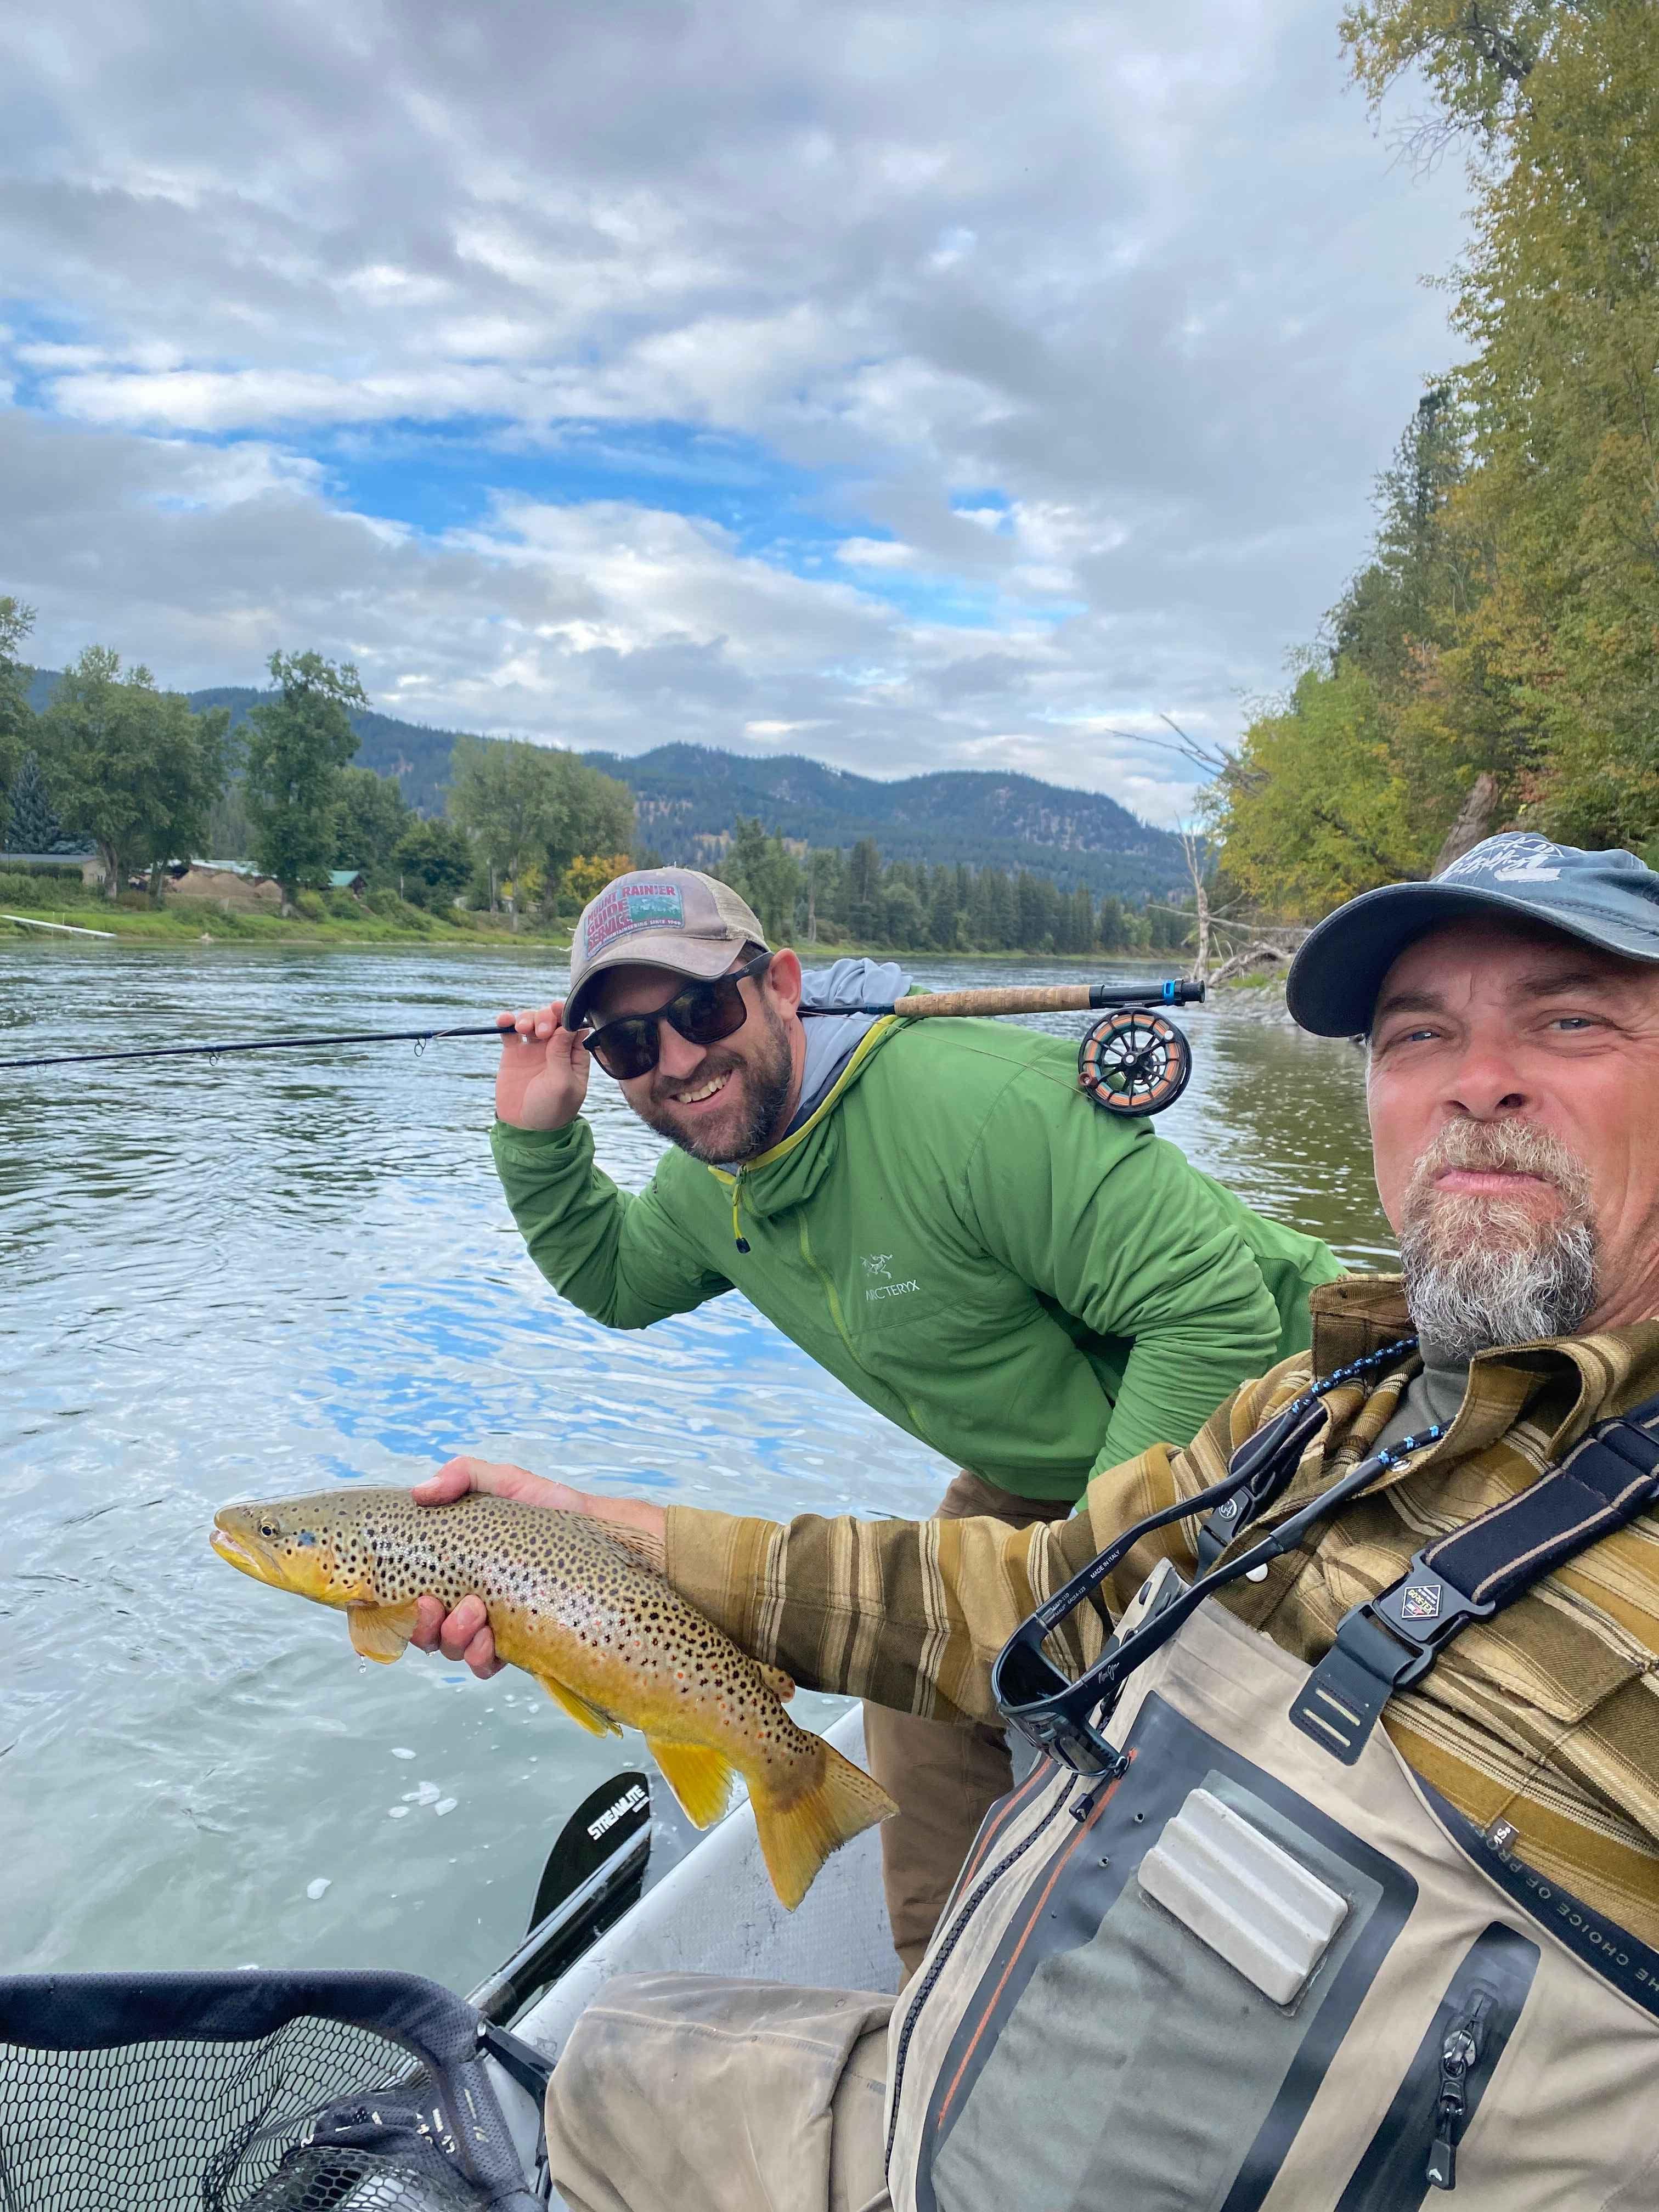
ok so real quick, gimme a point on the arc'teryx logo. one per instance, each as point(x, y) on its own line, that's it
point(877, 1270)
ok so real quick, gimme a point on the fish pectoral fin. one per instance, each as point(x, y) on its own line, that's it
point(781, 1685)
point(381, 1632)
point(585, 1714)
point(700, 1777)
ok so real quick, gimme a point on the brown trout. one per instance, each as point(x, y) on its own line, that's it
point(608, 1639)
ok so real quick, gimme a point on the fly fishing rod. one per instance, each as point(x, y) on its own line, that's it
point(1133, 1061)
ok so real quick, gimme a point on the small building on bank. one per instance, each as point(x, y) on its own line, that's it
point(90, 868)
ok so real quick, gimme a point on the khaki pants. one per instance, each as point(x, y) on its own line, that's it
point(696, 2093)
point(943, 1778)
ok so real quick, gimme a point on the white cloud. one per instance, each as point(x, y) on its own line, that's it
point(875, 553)
point(1089, 323)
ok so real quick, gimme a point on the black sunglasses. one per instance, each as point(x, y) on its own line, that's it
point(702, 1013)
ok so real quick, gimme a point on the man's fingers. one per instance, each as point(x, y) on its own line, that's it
point(468, 1620)
point(453, 1481)
point(538, 1022)
point(464, 1634)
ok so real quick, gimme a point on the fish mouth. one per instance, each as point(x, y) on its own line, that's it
point(246, 1562)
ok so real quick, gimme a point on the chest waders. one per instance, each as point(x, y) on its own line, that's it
point(1224, 1949)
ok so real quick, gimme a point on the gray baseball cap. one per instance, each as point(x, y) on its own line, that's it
point(1609, 899)
point(671, 918)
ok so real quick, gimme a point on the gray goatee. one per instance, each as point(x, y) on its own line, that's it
point(1483, 1272)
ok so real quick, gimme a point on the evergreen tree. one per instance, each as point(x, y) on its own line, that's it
point(34, 825)
point(942, 911)
point(864, 891)
point(1081, 921)
point(763, 870)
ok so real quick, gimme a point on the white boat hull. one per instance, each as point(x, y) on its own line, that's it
point(715, 1912)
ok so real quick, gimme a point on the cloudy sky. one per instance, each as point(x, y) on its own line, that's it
point(955, 383)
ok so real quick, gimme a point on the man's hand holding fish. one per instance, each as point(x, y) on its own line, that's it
point(464, 1633)
point(497, 1563)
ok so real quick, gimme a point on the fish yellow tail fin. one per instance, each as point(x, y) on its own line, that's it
point(798, 1830)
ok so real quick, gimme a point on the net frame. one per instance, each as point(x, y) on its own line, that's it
point(228, 2091)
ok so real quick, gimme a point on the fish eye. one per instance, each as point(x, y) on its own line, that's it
point(271, 1527)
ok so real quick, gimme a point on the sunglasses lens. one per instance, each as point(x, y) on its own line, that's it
point(626, 1049)
point(1026, 1677)
point(708, 1012)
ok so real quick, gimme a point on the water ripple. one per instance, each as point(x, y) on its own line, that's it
point(274, 1273)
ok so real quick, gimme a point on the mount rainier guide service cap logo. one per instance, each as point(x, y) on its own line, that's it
point(1610, 899)
point(671, 918)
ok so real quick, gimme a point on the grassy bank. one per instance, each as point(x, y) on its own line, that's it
point(386, 920)
point(339, 919)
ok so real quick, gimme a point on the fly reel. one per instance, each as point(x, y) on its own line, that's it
point(1135, 1061)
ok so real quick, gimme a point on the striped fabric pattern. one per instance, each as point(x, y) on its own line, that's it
point(1547, 1717)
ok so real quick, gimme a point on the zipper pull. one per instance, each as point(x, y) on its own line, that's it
point(1458, 2052)
point(737, 1237)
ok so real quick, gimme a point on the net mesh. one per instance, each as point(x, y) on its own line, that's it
point(182, 2125)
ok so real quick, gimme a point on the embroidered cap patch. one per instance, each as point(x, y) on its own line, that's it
point(629, 906)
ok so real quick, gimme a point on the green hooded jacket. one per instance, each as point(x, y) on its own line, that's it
point(1035, 1287)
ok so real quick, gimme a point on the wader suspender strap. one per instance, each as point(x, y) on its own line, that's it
point(1393, 1639)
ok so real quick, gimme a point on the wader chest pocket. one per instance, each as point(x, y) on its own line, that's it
point(1243, 1894)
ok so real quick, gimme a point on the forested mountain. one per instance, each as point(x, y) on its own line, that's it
point(689, 796)
point(685, 794)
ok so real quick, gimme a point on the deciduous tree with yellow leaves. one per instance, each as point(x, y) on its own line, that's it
point(1504, 640)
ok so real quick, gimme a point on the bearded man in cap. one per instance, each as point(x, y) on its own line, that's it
point(933, 1210)
point(1445, 1670)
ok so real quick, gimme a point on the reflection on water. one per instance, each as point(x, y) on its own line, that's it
point(279, 1273)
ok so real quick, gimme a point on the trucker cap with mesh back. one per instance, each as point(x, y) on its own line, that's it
point(671, 918)
point(1610, 899)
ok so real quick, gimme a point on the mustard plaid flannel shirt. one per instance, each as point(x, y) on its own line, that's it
point(1547, 1716)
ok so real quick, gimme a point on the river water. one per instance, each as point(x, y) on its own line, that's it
point(283, 1272)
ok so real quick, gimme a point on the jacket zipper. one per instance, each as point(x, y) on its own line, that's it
point(980, 1891)
point(1460, 2051)
point(737, 1237)
point(1414, 2148)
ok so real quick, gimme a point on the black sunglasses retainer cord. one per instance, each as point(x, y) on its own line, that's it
point(1062, 1717)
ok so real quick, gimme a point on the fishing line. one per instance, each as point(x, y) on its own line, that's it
point(419, 1038)
point(1134, 1062)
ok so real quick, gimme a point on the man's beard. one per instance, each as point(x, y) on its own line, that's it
point(768, 1069)
point(1481, 1271)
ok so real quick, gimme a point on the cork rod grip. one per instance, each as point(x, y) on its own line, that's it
point(1044, 998)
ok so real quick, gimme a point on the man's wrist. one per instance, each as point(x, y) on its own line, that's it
point(517, 1132)
point(634, 1521)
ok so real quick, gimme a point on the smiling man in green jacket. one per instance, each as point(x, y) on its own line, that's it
point(933, 1210)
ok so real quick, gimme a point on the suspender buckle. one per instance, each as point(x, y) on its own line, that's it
point(1423, 1611)
point(1383, 1645)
